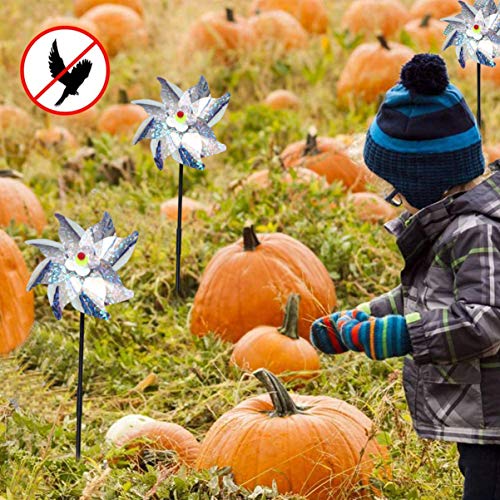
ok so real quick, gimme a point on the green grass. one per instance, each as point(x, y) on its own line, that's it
point(150, 334)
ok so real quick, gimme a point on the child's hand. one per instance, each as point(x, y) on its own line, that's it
point(325, 331)
point(379, 338)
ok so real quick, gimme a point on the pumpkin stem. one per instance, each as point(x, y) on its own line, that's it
point(123, 96)
point(311, 148)
point(230, 15)
point(383, 42)
point(250, 240)
point(425, 21)
point(290, 323)
point(282, 401)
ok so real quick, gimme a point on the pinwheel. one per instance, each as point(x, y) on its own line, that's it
point(81, 269)
point(181, 127)
point(475, 33)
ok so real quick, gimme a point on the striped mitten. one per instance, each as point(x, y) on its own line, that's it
point(379, 338)
point(325, 332)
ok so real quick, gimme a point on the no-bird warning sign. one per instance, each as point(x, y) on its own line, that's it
point(65, 70)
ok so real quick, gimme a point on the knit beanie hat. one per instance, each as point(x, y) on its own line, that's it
point(424, 139)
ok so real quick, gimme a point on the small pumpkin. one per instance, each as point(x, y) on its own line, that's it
point(328, 158)
point(246, 283)
point(436, 8)
point(141, 434)
point(123, 118)
point(371, 70)
point(17, 307)
point(85, 120)
point(19, 204)
point(82, 6)
point(370, 207)
point(120, 27)
point(311, 14)
point(492, 152)
point(278, 350)
point(315, 446)
point(55, 137)
point(282, 99)
point(368, 17)
point(84, 24)
point(223, 33)
point(13, 118)
point(427, 33)
point(278, 28)
point(189, 208)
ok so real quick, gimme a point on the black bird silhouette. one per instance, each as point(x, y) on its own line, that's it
point(71, 79)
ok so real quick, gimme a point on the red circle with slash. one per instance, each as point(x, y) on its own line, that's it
point(68, 78)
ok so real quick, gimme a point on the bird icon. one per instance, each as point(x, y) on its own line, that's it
point(73, 79)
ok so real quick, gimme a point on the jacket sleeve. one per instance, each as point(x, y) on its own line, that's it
point(470, 327)
point(388, 303)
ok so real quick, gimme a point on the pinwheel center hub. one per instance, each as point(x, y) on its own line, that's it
point(180, 114)
point(80, 256)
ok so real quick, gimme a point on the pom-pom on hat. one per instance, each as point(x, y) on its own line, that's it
point(424, 139)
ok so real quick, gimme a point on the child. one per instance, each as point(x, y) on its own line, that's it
point(446, 312)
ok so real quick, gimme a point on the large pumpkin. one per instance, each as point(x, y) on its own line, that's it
point(123, 118)
point(427, 33)
point(247, 283)
point(311, 14)
point(13, 118)
point(328, 158)
point(436, 8)
point(278, 28)
point(279, 350)
point(141, 434)
point(370, 207)
point(370, 17)
point(314, 446)
point(82, 6)
point(222, 33)
point(372, 69)
point(19, 204)
point(120, 27)
point(17, 308)
point(84, 24)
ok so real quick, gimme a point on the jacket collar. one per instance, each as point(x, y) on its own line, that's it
point(428, 223)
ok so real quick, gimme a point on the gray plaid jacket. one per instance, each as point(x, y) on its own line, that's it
point(452, 279)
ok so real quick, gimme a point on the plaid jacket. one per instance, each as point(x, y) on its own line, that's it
point(452, 279)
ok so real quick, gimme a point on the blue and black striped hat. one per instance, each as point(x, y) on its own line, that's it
point(424, 139)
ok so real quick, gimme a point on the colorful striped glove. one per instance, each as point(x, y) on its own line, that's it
point(379, 338)
point(325, 334)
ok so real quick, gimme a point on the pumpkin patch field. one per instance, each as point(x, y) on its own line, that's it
point(285, 226)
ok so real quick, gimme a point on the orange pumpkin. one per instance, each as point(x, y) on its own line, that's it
point(436, 8)
point(222, 33)
point(84, 24)
point(487, 73)
point(13, 118)
point(57, 137)
point(314, 446)
point(368, 17)
point(246, 283)
point(311, 14)
point(282, 99)
point(276, 27)
point(82, 6)
point(370, 207)
point(121, 119)
point(85, 120)
point(279, 350)
point(371, 70)
point(120, 28)
point(17, 307)
point(328, 158)
point(492, 152)
point(140, 433)
point(19, 204)
point(261, 178)
point(427, 33)
point(189, 208)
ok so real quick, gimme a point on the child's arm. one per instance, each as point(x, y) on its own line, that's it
point(389, 303)
point(470, 327)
